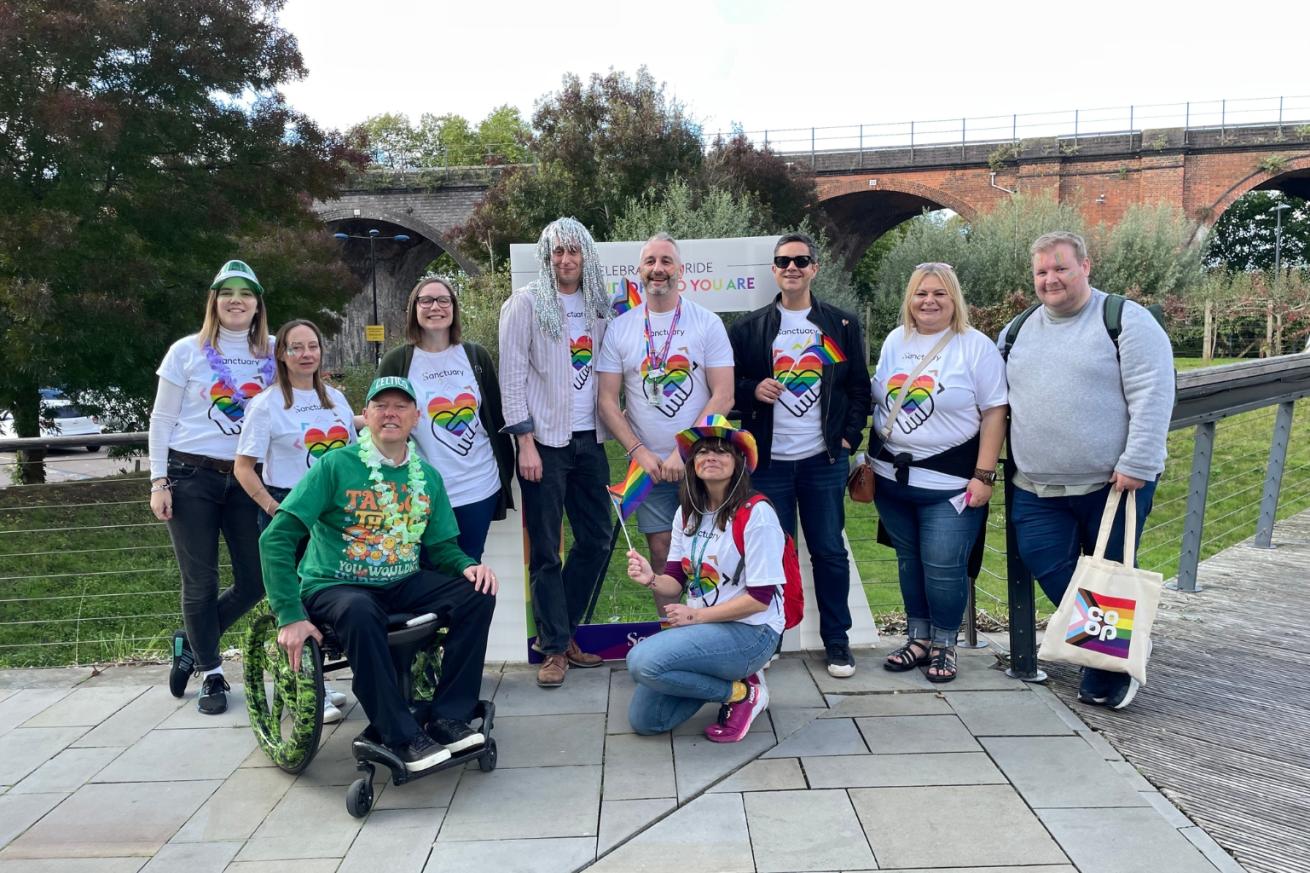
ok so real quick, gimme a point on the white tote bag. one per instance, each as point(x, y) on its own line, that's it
point(1105, 617)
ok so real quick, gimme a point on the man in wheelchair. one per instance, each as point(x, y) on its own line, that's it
point(367, 511)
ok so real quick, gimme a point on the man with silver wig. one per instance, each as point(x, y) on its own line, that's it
point(550, 330)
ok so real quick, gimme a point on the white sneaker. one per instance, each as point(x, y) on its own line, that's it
point(331, 715)
point(334, 697)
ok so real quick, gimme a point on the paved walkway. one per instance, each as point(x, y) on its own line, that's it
point(109, 774)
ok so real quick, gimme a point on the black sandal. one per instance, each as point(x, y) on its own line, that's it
point(942, 660)
point(913, 654)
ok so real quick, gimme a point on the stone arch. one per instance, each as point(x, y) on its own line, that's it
point(1296, 172)
point(409, 222)
point(860, 213)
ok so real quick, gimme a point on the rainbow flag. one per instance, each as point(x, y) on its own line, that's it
point(828, 351)
point(632, 490)
point(628, 296)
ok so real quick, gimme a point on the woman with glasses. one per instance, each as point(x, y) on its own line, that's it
point(206, 382)
point(459, 429)
point(939, 406)
point(289, 428)
point(716, 644)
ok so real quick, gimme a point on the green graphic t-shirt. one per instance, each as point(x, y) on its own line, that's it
point(348, 539)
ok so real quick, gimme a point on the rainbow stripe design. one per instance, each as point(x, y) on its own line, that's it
point(580, 352)
point(799, 375)
point(827, 351)
point(1101, 624)
point(627, 297)
point(920, 392)
point(318, 443)
point(221, 395)
point(700, 584)
point(456, 415)
point(632, 490)
point(677, 370)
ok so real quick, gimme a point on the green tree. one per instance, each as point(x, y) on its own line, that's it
point(686, 213)
point(504, 136)
point(1147, 254)
point(1244, 236)
point(391, 141)
point(127, 176)
point(784, 194)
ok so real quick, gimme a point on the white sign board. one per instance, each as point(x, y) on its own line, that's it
point(724, 275)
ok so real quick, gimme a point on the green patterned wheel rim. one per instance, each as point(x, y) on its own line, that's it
point(288, 717)
point(426, 671)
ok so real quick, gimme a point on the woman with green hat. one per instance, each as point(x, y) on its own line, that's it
point(205, 382)
point(718, 641)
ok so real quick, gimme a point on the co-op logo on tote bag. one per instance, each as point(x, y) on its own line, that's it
point(1101, 623)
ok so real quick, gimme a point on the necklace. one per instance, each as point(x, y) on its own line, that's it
point(405, 527)
point(219, 366)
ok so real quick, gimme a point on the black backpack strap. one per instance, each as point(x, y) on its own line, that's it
point(1012, 332)
point(1114, 318)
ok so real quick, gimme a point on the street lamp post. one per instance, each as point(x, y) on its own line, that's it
point(374, 331)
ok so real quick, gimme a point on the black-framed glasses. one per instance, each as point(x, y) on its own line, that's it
point(443, 301)
point(782, 262)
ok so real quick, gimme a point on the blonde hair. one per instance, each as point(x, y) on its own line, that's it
point(256, 337)
point(1048, 241)
point(945, 274)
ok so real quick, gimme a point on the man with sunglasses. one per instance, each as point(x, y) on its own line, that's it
point(803, 391)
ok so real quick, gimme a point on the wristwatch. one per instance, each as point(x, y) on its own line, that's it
point(985, 476)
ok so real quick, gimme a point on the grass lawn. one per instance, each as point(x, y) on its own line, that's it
point(87, 575)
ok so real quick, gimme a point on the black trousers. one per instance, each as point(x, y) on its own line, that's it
point(359, 615)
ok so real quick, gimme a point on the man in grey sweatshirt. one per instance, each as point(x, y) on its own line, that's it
point(1086, 416)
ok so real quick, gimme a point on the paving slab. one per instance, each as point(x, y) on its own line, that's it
point(174, 756)
point(1135, 779)
point(134, 721)
point(335, 762)
point(1008, 833)
point(26, 703)
point(710, 836)
point(1100, 744)
point(1056, 705)
point(1006, 713)
point(1123, 841)
point(700, 763)
point(1212, 851)
point(86, 706)
point(806, 830)
point(910, 734)
point(44, 677)
point(524, 804)
point(430, 792)
point(236, 810)
point(19, 811)
point(67, 771)
point(105, 821)
point(188, 716)
point(193, 857)
point(582, 691)
point(1031, 765)
point(512, 856)
point(393, 841)
point(870, 705)
point(307, 865)
point(130, 674)
point(788, 721)
point(638, 768)
point(774, 774)
point(954, 768)
point(620, 819)
point(73, 865)
point(621, 690)
point(308, 822)
point(834, 736)
point(791, 685)
point(981, 674)
point(549, 740)
point(1166, 809)
point(870, 678)
point(1044, 868)
point(23, 750)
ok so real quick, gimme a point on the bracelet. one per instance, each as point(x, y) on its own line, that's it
point(165, 486)
point(638, 445)
point(987, 477)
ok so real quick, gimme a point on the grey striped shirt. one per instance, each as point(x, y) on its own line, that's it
point(536, 373)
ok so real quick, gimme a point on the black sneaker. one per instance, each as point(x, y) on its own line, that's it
point(184, 664)
point(1123, 695)
point(213, 695)
point(841, 663)
point(1097, 686)
point(421, 753)
point(455, 735)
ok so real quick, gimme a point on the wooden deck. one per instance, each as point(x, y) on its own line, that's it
point(1223, 729)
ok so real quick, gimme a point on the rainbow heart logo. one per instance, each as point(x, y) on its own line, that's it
point(580, 351)
point(455, 416)
point(799, 376)
point(918, 393)
point(221, 395)
point(677, 370)
point(705, 583)
point(318, 443)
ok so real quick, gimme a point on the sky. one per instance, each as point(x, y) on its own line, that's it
point(777, 66)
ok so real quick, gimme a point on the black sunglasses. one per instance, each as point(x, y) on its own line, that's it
point(801, 261)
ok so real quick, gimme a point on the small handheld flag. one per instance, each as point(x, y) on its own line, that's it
point(628, 297)
point(828, 351)
point(629, 493)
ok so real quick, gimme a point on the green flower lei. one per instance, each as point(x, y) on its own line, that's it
point(406, 527)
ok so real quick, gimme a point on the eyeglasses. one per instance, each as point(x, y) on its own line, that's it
point(428, 302)
point(801, 261)
point(299, 351)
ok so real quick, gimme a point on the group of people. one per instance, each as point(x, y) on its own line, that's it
point(362, 523)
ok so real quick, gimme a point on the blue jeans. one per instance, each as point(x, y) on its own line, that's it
point(679, 669)
point(817, 487)
point(932, 543)
point(1052, 533)
point(474, 520)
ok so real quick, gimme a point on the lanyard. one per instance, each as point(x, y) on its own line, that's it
point(657, 364)
point(698, 558)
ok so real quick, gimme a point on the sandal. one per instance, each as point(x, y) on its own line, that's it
point(913, 654)
point(942, 661)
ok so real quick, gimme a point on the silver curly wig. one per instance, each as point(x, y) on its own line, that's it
point(567, 232)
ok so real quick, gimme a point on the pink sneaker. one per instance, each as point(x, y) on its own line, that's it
point(735, 719)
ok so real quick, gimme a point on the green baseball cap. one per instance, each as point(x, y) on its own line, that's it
point(391, 383)
point(237, 270)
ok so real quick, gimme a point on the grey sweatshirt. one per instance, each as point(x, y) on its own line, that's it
point(1077, 414)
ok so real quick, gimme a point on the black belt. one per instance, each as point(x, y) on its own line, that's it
point(202, 461)
point(956, 461)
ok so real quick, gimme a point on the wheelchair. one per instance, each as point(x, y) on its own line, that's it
point(288, 718)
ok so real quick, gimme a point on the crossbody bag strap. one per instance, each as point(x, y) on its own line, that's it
point(886, 429)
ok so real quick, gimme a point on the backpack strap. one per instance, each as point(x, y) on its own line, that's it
point(1113, 316)
point(1012, 332)
point(739, 520)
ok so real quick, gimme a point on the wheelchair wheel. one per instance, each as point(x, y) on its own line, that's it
point(425, 672)
point(359, 797)
point(287, 718)
point(487, 762)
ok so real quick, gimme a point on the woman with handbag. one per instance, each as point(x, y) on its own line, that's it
point(939, 405)
point(459, 430)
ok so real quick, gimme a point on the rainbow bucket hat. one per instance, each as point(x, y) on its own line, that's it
point(718, 427)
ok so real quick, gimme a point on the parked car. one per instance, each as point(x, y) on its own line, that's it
point(59, 417)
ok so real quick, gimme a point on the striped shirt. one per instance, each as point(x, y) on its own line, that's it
point(536, 373)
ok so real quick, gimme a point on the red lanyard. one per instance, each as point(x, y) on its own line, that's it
point(658, 363)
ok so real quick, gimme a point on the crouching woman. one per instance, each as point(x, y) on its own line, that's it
point(716, 642)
